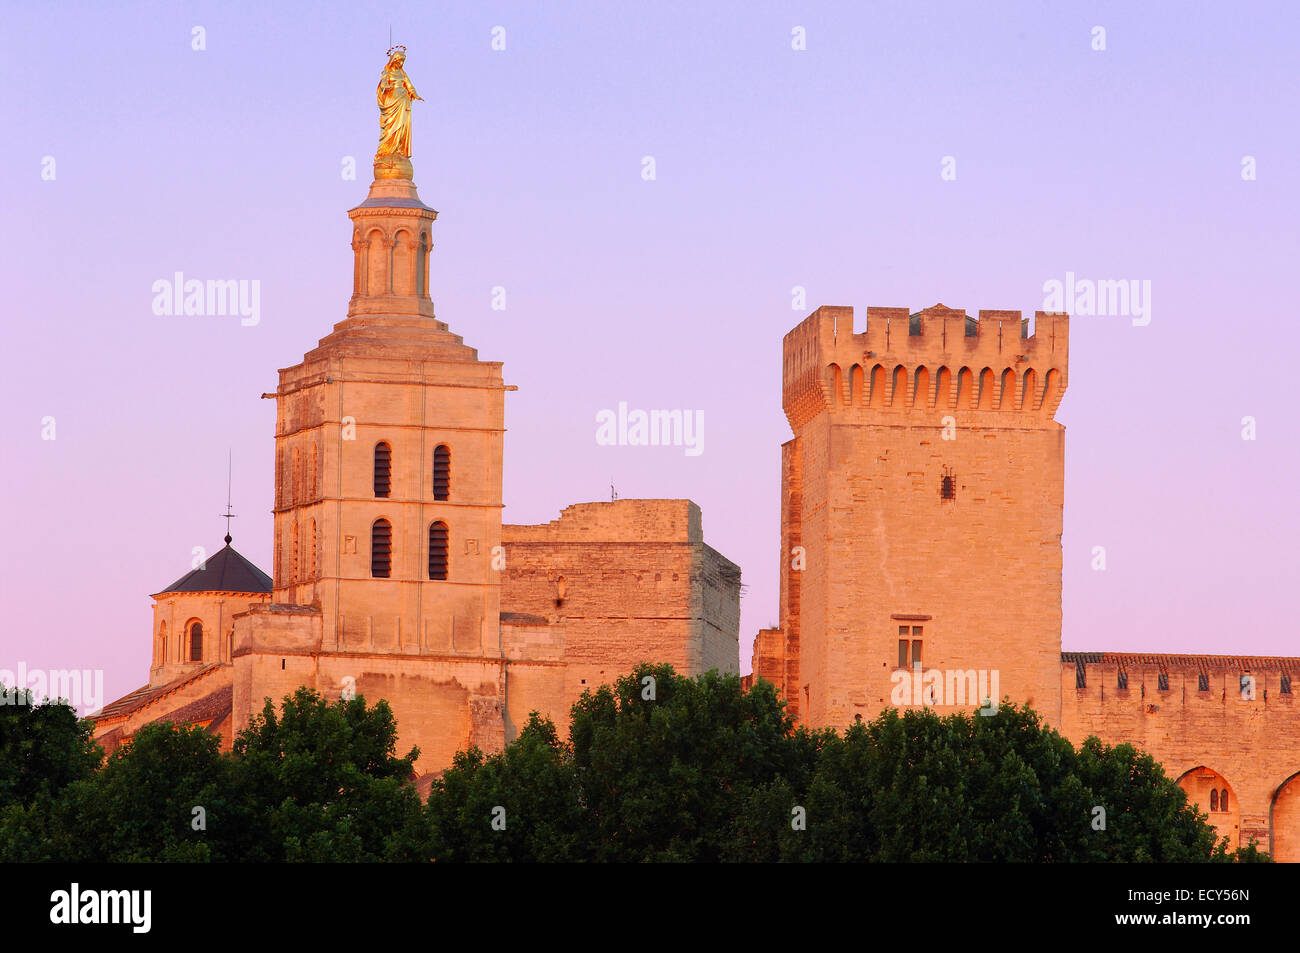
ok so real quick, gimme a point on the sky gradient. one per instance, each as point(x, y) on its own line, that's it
point(774, 168)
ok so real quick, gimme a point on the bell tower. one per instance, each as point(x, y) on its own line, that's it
point(389, 455)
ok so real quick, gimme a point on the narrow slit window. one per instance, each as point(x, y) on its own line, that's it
point(442, 472)
point(1286, 684)
point(381, 549)
point(383, 469)
point(1162, 681)
point(438, 547)
point(196, 642)
point(1123, 680)
point(1203, 683)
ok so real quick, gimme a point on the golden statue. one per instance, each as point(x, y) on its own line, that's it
point(394, 95)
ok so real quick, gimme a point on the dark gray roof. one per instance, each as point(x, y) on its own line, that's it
point(224, 571)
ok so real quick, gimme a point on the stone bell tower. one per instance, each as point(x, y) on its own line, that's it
point(388, 481)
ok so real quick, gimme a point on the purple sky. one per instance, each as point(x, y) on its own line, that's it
point(775, 168)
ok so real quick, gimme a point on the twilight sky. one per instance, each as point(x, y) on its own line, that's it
point(774, 168)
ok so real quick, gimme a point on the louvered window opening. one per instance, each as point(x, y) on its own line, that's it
point(442, 472)
point(381, 549)
point(383, 469)
point(438, 537)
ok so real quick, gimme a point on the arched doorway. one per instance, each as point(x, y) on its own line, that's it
point(1213, 795)
point(1284, 821)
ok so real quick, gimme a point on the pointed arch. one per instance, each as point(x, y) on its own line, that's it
point(965, 397)
point(1030, 398)
point(857, 394)
point(985, 399)
point(294, 562)
point(1007, 390)
point(835, 380)
point(899, 383)
point(160, 650)
point(877, 396)
point(315, 474)
point(1211, 793)
point(1284, 821)
point(920, 388)
point(1052, 390)
point(311, 556)
point(943, 396)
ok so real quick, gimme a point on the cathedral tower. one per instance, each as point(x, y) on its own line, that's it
point(388, 467)
point(389, 457)
point(921, 514)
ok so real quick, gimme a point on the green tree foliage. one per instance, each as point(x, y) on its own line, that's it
point(43, 747)
point(658, 767)
point(326, 783)
point(701, 771)
point(315, 782)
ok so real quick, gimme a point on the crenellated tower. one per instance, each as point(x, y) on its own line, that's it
point(921, 512)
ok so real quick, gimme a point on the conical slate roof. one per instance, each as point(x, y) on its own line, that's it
point(224, 571)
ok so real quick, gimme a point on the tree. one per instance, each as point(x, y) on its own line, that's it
point(326, 783)
point(522, 805)
point(42, 747)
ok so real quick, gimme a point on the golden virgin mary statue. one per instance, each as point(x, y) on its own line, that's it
point(394, 95)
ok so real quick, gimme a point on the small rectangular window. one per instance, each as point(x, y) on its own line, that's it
point(1123, 680)
point(902, 653)
point(1162, 681)
point(1202, 683)
point(1286, 684)
point(916, 650)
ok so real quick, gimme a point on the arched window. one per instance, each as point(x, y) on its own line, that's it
point(1223, 800)
point(383, 469)
point(438, 545)
point(315, 474)
point(381, 549)
point(162, 643)
point(442, 472)
point(311, 555)
point(1214, 800)
point(196, 641)
point(422, 267)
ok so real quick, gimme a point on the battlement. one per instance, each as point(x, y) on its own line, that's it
point(936, 360)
